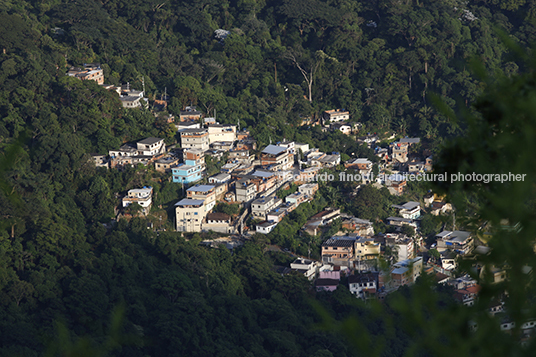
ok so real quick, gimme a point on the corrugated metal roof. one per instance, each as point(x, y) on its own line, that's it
point(273, 150)
point(189, 202)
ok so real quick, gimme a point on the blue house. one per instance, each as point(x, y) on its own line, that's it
point(187, 173)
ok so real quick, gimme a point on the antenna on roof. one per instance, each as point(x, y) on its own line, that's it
point(270, 140)
point(238, 124)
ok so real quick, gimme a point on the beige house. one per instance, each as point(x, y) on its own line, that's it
point(218, 222)
point(221, 132)
point(366, 248)
point(90, 72)
point(194, 139)
point(166, 163)
point(336, 115)
point(130, 102)
point(189, 215)
point(308, 189)
point(207, 193)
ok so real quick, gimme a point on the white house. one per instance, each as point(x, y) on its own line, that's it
point(142, 196)
point(266, 227)
point(363, 285)
point(151, 146)
point(409, 210)
point(307, 267)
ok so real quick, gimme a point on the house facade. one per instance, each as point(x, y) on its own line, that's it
point(151, 146)
point(207, 193)
point(261, 206)
point(276, 158)
point(221, 132)
point(186, 174)
point(218, 222)
point(336, 115)
point(189, 215)
point(194, 139)
point(142, 196)
point(363, 286)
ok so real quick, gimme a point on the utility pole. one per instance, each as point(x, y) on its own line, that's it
point(143, 84)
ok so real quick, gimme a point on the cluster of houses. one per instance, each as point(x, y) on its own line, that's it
point(352, 255)
point(93, 72)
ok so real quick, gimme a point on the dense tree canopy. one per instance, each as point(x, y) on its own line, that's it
point(62, 257)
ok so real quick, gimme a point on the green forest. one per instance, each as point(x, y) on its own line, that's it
point(71, 284)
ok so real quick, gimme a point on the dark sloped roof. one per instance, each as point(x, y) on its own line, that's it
point(327, 282)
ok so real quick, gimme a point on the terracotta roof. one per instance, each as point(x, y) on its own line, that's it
point(218, 216)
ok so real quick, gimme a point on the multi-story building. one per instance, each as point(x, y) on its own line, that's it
point(207, 193)
point(459, 241)
point(190, 113)
point(276, 158)
point(221, 190)
point(142, 196)
point(278, 213)
point(221, 132)
point(194, 157)
point(194, 139)
point(406, 272)
point(307, 267)
point(90, 72)
point(359, 226)
point(363, 286)
point(366, 248)
point(245, 190)
point(409, 210)
point(189, 215)
point(404, 245)
point(308, 189)
point(165, 164)
point(338, 249)
point(151, 147)
point(261, 206)
point(187, 173)
point(336, 115)
point(297, 198)
point(130, 101)
point(400, 149)
point(288, 145)
point(241, 156)
point(145, 152)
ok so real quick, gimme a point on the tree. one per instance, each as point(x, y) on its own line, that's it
point(309, 72)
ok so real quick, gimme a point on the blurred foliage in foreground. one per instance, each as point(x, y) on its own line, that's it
point(500, 139)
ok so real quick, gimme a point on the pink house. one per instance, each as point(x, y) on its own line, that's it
point(330, 274)
point(328, 280)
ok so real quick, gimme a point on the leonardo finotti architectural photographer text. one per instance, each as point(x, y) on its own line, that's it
point(424, 177)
